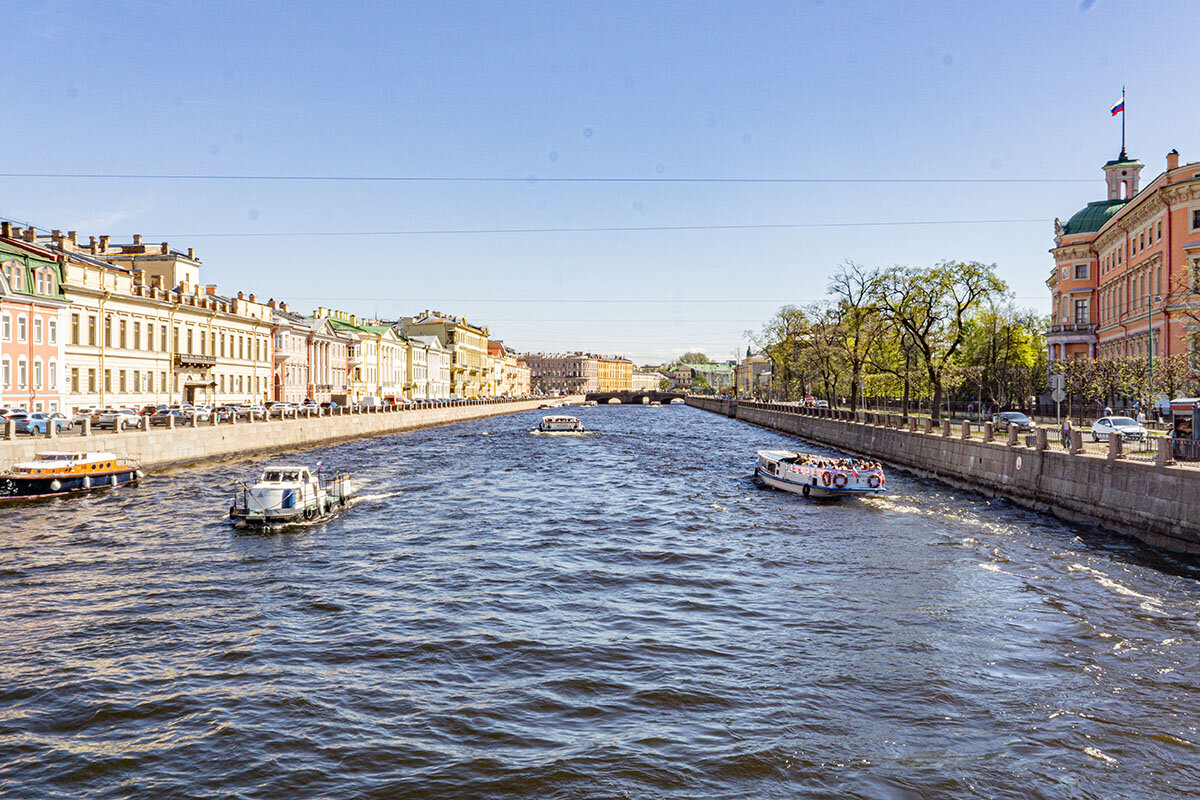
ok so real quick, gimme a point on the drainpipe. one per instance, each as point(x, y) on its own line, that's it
point(1166, 257)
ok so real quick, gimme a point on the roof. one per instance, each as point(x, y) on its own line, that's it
point(709, 367)
point(1092, 217)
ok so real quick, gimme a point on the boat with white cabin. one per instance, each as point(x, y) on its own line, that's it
point(53, 473)
point(818, 476)
point(560, 423)
point(289, 494)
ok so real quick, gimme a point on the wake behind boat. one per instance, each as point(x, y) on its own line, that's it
point(818, 476)
point(290, 494)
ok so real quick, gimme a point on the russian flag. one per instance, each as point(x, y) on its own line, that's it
point(1118, 107)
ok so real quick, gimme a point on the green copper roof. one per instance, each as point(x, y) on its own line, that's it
point(1092, 217)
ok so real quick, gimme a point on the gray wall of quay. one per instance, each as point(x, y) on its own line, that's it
point(1156, 503)
point(161, 447)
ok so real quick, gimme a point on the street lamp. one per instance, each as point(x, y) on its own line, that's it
point(1151, 299)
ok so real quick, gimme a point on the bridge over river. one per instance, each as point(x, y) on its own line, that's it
point(635, 398)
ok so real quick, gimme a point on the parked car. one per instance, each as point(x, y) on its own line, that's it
point(371, 401)
point(822, 404)
point(117, 419)
point(39, 422)
point(252, 411)
point(64, 422)
point(1006, 419)
point(225, 413)
point(282, 410)
point(20, 419)
point(330, 405)
point(86, 413)
point(164, 415)
point(1125, 427)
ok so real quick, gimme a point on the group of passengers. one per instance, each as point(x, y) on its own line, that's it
point(806, 460)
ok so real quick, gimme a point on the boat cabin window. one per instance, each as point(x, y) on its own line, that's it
point(280, 476)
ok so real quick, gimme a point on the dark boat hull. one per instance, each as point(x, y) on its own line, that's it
point(30, 487)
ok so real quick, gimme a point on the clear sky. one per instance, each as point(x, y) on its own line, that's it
point(838, 90)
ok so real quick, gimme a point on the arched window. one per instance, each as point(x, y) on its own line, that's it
point(5, 373)
point(22, 373)
point(52, 375)
point(37, 373)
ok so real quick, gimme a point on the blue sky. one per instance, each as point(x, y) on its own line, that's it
point(883, 90)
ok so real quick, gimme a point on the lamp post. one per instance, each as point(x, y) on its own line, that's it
point(1151, 299)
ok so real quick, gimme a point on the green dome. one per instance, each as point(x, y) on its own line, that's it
point(1092, 217)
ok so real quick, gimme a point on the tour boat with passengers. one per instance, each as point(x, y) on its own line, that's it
point(818, 476)
point(289, 494)
point(560, 423)
point(54, 473)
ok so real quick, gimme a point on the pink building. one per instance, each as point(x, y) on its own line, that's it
point(31, 313)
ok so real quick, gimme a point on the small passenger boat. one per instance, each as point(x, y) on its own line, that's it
point(290, 494)
point(818, 476)
point(590, 403)
point(55, 473)
point(655, 404)
point(560, 424)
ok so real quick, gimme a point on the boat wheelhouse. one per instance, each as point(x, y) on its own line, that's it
point(53, 473)
point(560, 424)
point(818, 476)
point(289, 494)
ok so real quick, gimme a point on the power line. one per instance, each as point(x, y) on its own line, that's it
point(597, 229)
point(509, 179)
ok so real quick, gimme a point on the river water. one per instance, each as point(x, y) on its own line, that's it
point(622, 615)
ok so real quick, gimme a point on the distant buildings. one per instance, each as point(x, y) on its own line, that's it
point(752, 375)
point(466, 343)
point(579, 372)
point(702, 376)
point(646, 381)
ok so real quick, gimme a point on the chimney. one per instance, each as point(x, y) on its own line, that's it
point(137, 238)
point(104, 243)
point(251, 298)
point(55, 236)
point(156, 281)
point(30, 235)
point(282, 305)
point(139, 277)
point(73, 236)
point(271, 303)
point(1172, 159)
point(192, 253)
point(166, 248)
point(211, 288)
point(92, 245)
point(241, 295)
point(6, 229)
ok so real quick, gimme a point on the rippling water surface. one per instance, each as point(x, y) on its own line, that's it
point(620, 615)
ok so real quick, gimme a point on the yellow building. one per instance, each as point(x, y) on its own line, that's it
point(471, 373)
point(616, 374)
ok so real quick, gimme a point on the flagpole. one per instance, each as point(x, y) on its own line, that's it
point(1122, 122)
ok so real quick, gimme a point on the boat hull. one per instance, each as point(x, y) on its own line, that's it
point(809, 489)
point(33, 487)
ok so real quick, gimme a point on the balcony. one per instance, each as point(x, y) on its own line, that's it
point(1079, 328)
point(1079, 333)
point(195, 362)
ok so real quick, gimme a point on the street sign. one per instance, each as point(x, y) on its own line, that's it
point(1058, 395)
point(1057, 382)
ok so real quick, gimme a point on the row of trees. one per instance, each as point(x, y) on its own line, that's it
point(924, 335)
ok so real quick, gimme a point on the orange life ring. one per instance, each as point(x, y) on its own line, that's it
point(825, 478)
point(840, 480)
point(874, 481)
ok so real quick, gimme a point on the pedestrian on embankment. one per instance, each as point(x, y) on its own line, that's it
point(1066, 433)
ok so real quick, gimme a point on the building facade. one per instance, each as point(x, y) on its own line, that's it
point(568, 373)
point(437, 368)
point(1126, 277)
point(752, 376)
point(467, 344)
point(614, 374)
point(646, 380)
point(717, 377)
point(32, 304)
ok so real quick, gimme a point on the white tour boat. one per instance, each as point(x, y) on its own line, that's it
point(818, 476)
point(560, 424)
point(288, 494)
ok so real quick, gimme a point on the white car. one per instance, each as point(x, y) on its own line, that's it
point(1125, 427)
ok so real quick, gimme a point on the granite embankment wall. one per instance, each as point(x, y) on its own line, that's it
point(1154, 502)
point(160, 447)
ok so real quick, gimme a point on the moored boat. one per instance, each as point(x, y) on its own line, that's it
point(818, 476)
point(289, 494)
point(560, 424)
point(55, 473)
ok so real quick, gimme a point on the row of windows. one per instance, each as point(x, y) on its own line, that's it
point(1138, 242)
point(135, 336)
point(27, 378)
point(45, 280)
point(43, 330)
point(1116, 299)
point(145, 381)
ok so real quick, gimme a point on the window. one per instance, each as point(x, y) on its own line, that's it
point(52, 331)
point(222, 347)
point(75, 380)
point(74, 329)
point(176, 339)
point(22, 374)
point(137, 381)
point(162, 384)
point(92, 331)
point(92, 381)
point(1196, 219)
point(121, 380)
point(37, 330)
point(108, 380)
point(5, 328)
point(1158, 233)
point(137, 336)
point(37, 373)
point(121, 334)
point(5, 374)
point(165, 348)
point(189, 341)
point(108, 331)
point(1081, 271)
point(22, 331)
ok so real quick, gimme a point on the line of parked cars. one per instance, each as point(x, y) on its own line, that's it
point(36, 422)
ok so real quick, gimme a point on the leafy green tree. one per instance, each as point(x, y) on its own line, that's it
point(694, 358)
